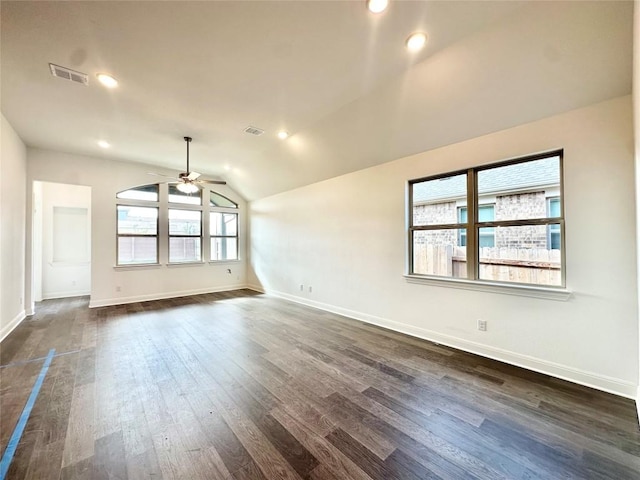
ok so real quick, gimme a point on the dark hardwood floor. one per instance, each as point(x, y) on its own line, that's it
point(244, 386)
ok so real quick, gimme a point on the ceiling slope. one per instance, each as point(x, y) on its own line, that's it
point(333, 75)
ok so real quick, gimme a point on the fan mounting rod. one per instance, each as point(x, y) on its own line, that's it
point(188, 140)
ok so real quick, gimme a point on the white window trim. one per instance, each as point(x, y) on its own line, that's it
point(519, 289)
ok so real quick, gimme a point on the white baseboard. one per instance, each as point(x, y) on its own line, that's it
point(564, 372)
point(638, 404)
point(66, 294)
point(8, 328)
point(106, 302)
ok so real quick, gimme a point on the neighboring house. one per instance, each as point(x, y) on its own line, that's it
point(524, 190)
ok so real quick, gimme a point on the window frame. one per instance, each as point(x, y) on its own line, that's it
point(181, 194)
point(195, 208)
point(140, 204)
point(212, 206)
point(473, 225)
point(231, 211)
point(163, 235)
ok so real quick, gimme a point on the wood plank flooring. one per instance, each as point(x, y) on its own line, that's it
point(239, 385)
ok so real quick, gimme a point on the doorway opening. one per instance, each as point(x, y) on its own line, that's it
point(61, 240)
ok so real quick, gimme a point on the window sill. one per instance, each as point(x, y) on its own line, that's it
point(137, 266)
point(549, 293)
point(223, 262)
point(184, 264)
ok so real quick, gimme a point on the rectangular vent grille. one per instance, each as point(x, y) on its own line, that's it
point(68, 74)
point(254, 131)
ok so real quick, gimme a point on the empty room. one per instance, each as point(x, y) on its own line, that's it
point(364, 239)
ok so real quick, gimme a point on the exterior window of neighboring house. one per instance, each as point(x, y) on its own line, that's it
point(553, 235)
point(142, 210)
point(223, 226)
point(485, 214)
point(137, 226)
point(514, 235)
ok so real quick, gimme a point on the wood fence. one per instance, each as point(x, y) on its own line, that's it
point(520, 265)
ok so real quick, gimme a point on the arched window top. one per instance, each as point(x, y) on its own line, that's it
point(151, 193)
point(143, 192)
point(176, 196)
point(217, 200)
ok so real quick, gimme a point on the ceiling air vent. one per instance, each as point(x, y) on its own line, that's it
point(254, 131)
point(68, 74)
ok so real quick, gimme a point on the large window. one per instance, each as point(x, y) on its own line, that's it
point(160, 224)
point(137, 235)
point(185, 235)
point(224, 236)
point(498, 223)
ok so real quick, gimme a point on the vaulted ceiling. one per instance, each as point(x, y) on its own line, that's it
point(335, 76)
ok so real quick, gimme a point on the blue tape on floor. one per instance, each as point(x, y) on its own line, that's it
point(32, 360)
point(22, 422)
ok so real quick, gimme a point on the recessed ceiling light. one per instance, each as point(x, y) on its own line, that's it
point(282, 134)
point(416, 41)
point(107, 80)
point(377, 6)
point(103, 144)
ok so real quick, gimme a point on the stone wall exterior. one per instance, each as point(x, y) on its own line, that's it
point(507, 207)
point(433, 214)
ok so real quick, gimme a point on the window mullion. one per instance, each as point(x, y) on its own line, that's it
point(472, 231)
point(163, 224)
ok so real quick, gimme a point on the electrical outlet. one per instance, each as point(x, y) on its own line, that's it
point(310, 289)
point(301, 288)
point(73, 282)
point(118, 288)
point(482, 325)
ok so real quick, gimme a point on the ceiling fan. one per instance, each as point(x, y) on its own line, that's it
point(187, 182)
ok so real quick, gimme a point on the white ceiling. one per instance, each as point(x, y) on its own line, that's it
point(331, 73)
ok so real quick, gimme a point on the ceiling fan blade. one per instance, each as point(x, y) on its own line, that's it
point(193, 175)
point(213, 182)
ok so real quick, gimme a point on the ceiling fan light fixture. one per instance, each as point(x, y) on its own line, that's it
point(377, 6)
point(187, 188)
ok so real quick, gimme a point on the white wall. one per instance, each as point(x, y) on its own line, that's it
point(346, 238)
point(13, 174)
point(63, 277)
point(106, 178)
point(636, 118)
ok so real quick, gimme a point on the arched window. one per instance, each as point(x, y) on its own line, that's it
point(223, 228)
point(143, 216)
